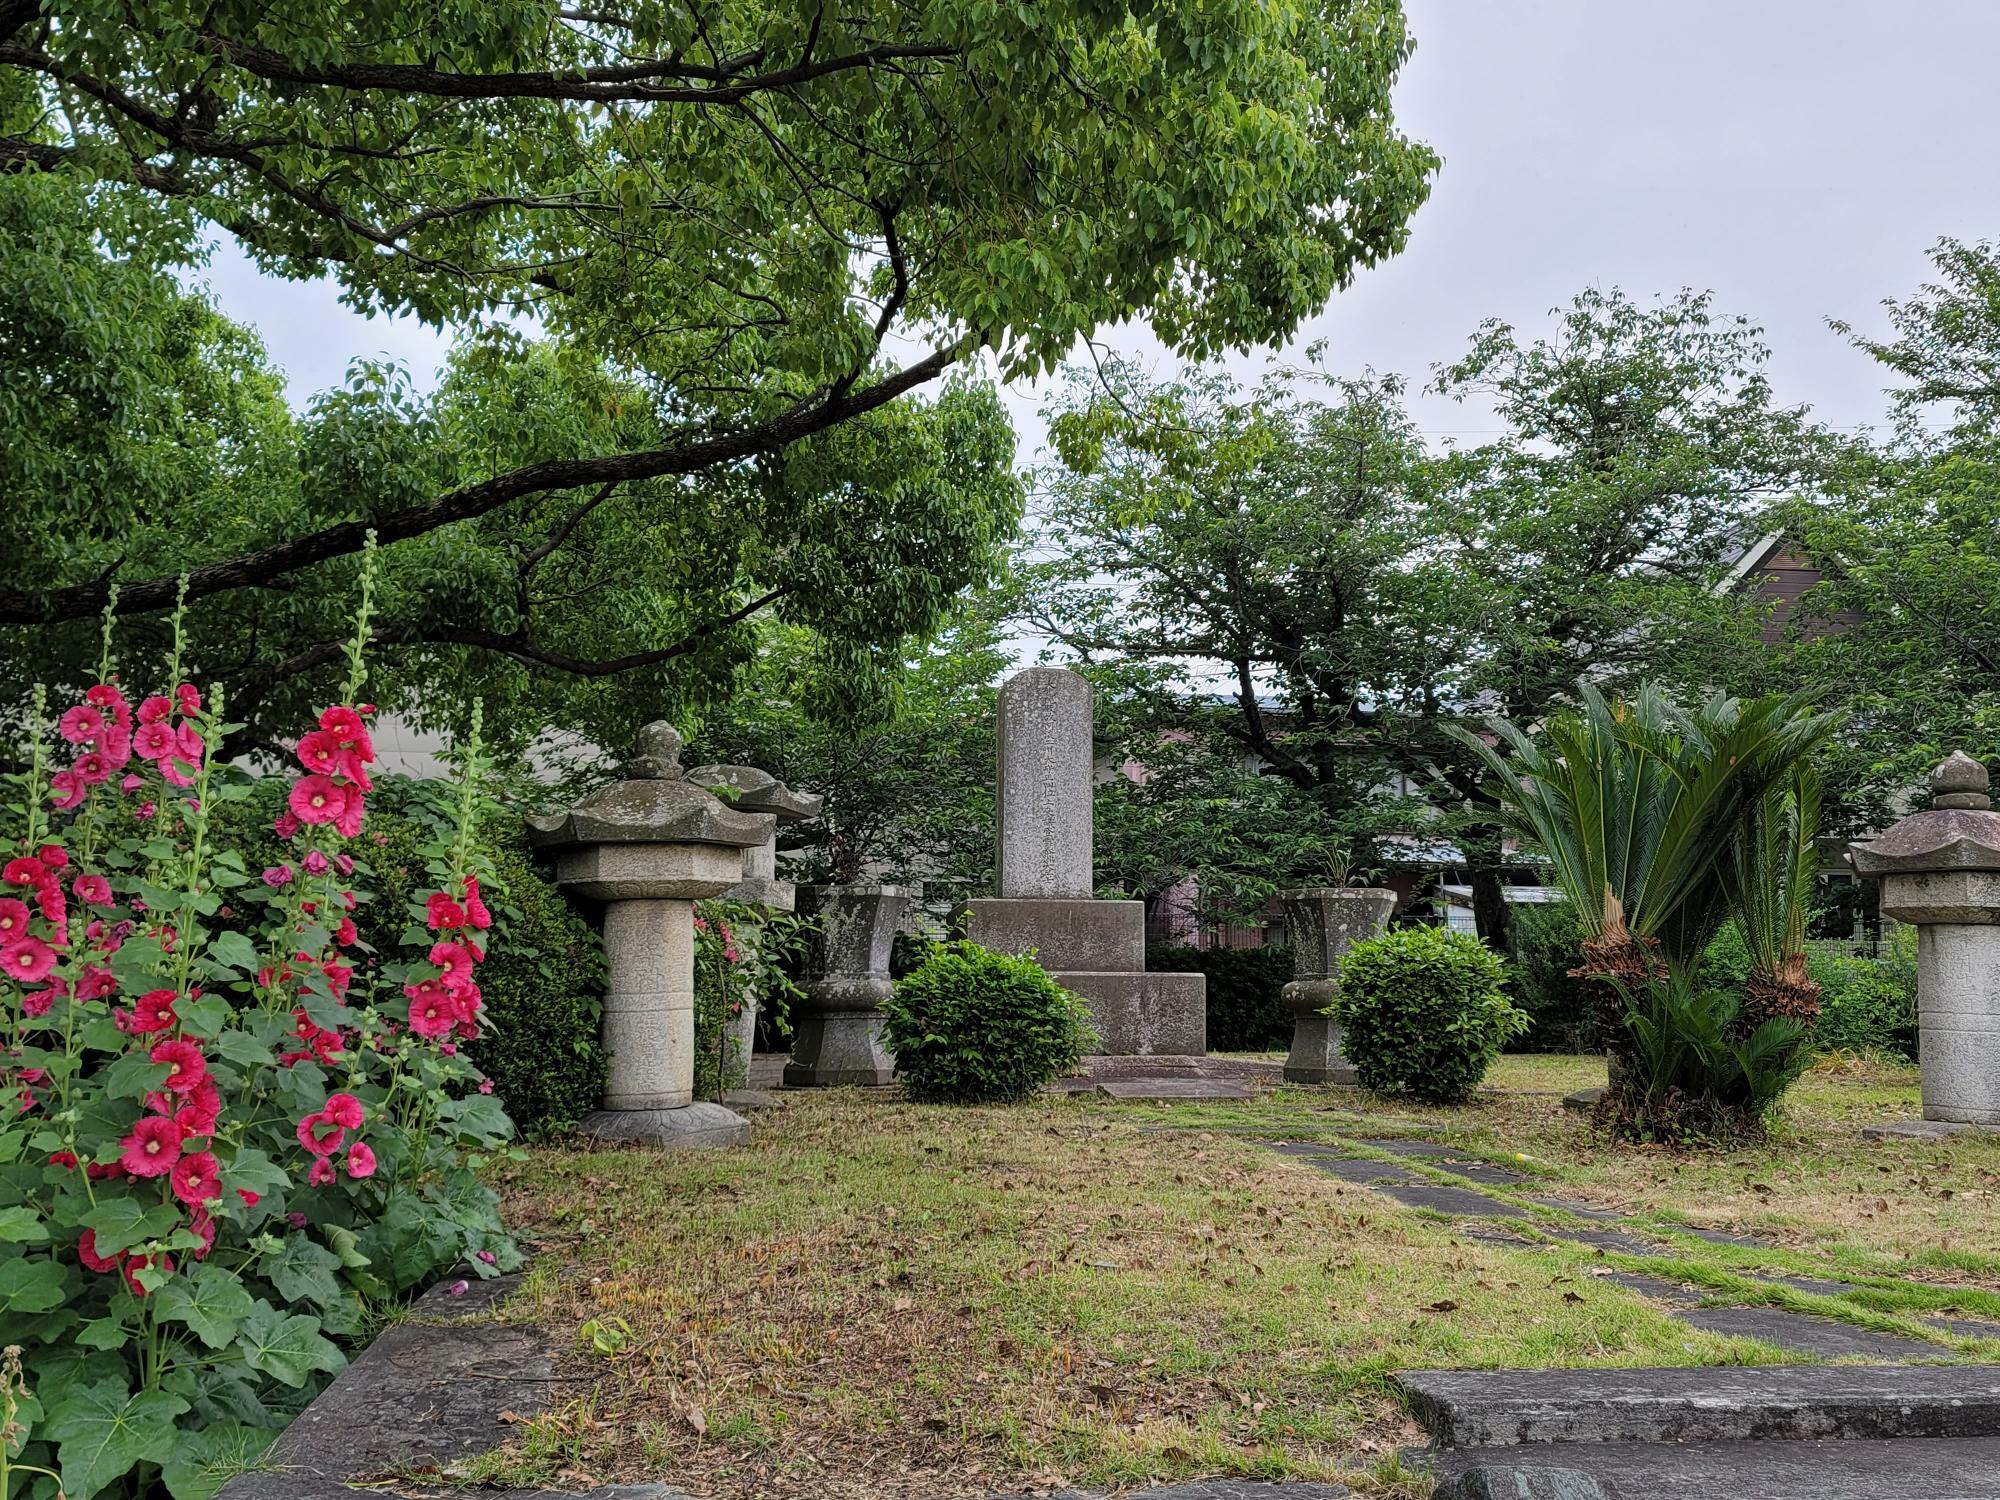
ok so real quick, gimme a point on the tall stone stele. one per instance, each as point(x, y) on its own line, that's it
point(1046, 876)
point(1321, 924)
point(1940, 870)
point(649, 847)
point(750, 790)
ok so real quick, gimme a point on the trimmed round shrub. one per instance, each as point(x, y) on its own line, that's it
point(1423, 1012)
point(971, 1026)
point(1246, 992)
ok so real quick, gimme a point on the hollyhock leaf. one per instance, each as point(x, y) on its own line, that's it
point(134, 1077)
point(101, 1430)
point(207, 1017)
point(212, 1302)
point(235, 951)
point(203, 1460)
point(243, 1049)
point(103, 1333)
point(31, 1286)
point(305, 1272)
point(286, 1346)
point(481, 1116)
point(21, 1225)
point(121, 1223)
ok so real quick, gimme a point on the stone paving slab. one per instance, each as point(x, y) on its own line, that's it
point(1362, 1172)
point(1808, 1335)
point(1403, 1145)
point(1211, 1489)
point(1482, 1172)
point(1616, 1240)
point(1907, 1469)
point(1498, 1408)
point(1170, 1090)
point(1675, 1293)
point(1463, 1202)
point(1577, 1208)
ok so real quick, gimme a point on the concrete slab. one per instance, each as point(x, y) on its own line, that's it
point(1912, 1469)
point(1673, 1293)
point(1482, 1172)
point(1808, 1335)
point(1496, 1408)
point(1171, 1090)
point(1923, 1130)
point(1404, 1146)
point(1462, 1202)
point(1062, 933)
point(1615, 1240)
point(1577, 1207)
point(1354, 1169)
point(700, 1126)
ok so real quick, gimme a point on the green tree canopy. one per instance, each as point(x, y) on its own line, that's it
point(769, 218)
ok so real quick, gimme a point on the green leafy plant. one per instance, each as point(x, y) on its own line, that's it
point(1246, 1006)
point(1545, 942)
point(1692, 1074)
point(1869, 1005)
point(1423, 1011)
point(1770, 879)
point(971, 1026)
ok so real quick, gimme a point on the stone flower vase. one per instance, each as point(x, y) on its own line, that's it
point(1321, 924)
point(847, 979)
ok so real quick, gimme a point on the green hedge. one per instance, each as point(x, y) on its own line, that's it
point(1246, 1008)
point(1869, 1004)
point(971, 1026)
point(1546, 942)
point(1423, 1012)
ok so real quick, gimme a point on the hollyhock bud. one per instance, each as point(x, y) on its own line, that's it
point(278, 876)
point(314, 862)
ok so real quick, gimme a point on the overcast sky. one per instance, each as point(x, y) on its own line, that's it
point(1796, 156)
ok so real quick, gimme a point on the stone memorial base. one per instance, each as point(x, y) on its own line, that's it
point(840, 1049)
point(1925, 1130)
point(1098, 950)
point(692, 1126)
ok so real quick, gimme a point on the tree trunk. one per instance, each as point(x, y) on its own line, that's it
point(1489, 898)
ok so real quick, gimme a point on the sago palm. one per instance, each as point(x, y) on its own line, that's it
point(1637, 804)
point(1772, 874)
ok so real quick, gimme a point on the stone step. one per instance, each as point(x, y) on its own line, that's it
point(1496, 1408)
point(1859, 1469)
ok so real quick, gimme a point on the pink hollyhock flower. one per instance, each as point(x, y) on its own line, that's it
point(187, 1069)
point(155, 710)
point(485, 1085)
point(320, 1173)
point(86, 1251)
point(360, 1160)
point(144, 812)
point(449, 1049)
point(296, 1219)
point(202, 1222)
point(64, 1159)
point(441, 912)
point(25, 871)
point(320, 752)
point(197, 1178)
point(92, 890)
point(456, 959)
point(488, 1257)
point(91, 769)
point(345, 1109)
point(202, 1112)
point(106, 696)
point(38, 1003)
point(314, 862)
point(431, 1010)
point(348, 823)
point(81, 725)
point(346, 934)
point(346, 727)
point(338, 977)
point(13, 918)
point(475, 909)
point(286, 826)
point(188, 697)
point(152, 1148)
point(320, 1134)
point(134, 1264)
point(96, 982)
point(26, 960)
point(154, 1011)
point(116, 747)
point(52, 856)
point(317, 799)
point(278, 876)
point(250, 1199)
point(131, 782)
point(154, 738)
point(345, 864)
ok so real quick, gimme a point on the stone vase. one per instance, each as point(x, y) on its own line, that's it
point(1321, 924)
point(840, 1018)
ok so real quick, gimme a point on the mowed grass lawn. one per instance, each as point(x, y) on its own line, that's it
point(879, 1298)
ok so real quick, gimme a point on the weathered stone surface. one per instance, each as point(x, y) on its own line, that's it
point(648, 1022)
point(1321, 924)
point(1405, 1145)
point(1043, 806)
point(1171, 1090)
point(1911, 1469)
point(839, 1040)
point(1806, 1334)
point(1615, 1241)
point(1139, 1014)
point(700, 1125)
point(748, 789)
point(1459, 1202)
point(1065, 934)
point(1583, 1101)
point(1920, 1130)
point(1491, 1408)
point(650, 871)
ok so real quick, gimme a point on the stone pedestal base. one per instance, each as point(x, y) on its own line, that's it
point(1925, 1130)
point(1315, 1055)
point(691, 1127)
point(1098, 950)
point(832, 1049)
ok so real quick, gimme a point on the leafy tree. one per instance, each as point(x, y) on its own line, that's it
point(156, 430)
point(748, 214)
point(1352, 594)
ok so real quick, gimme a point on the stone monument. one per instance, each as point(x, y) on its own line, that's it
point(1940, 870)
point(750, 790)
point(649, 847)
point(1321, 924)
point(840, 1019)
point(1046, 876)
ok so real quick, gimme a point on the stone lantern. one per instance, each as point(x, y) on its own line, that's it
point(649, 847)
point(1321, 924)
point(750, 790)
point(1940, 871)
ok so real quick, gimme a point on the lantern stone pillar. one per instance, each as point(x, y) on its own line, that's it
point(1940, 871)
point(1321, 924)
point(649, 847)
point(750, 790)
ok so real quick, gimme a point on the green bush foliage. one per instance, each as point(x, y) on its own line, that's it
point(1691, 1074)
point(1246, 1007)
point(1546, 940)
point(1423, 1012)
point(1869, 1004)
point(971, 1026)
